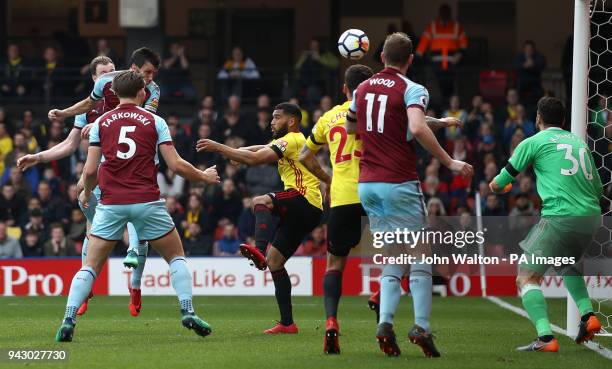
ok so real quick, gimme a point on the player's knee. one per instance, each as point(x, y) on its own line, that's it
point(336, 263)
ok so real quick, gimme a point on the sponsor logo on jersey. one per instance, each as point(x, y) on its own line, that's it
point(424, 101)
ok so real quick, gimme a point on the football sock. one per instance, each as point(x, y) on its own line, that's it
point(332, 289)
point(535, 304)
point(282, 285)
point(132, 237)
point(577, 289)
point(79, 290)
point(180, 277)
point(84, 250)
point(143, 249)
point(421, 290)
point(390, 293)
point(586, 317)
point(263, 221)
point(546, 338)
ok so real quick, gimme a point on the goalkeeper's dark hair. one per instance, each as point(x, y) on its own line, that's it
point(355, 74)
point(98, 60)
point(127, 84)
point(551, 111)
point(143, 55)
point(290, 109)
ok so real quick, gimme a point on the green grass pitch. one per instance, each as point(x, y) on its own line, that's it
point(471, 333)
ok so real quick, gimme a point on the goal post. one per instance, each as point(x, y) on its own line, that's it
point(580, 86)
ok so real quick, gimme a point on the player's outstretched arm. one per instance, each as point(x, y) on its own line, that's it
point(437, 123)
point(421, 131)
point(253, 148)
point(264, 155)
point(81, 107)
point(185, 169)
point(59, 151)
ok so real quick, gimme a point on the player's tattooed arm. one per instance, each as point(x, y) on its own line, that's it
point(437, 123)
point(308, 159)
point(59, 151)
point(421, 131)
point(81, 107)
point(262, 156)
point(184, 168)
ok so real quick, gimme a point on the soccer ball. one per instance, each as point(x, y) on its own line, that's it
point(353, 44)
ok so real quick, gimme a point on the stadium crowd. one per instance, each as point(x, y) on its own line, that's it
point(39, 213)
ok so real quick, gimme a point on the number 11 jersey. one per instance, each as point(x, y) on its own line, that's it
point(128, 137)
point(380, 103)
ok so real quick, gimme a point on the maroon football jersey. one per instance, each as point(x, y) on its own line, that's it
point(129, 137)
point(102, 91)
point(388, 153)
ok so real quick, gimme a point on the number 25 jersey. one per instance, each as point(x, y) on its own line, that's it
point(380, 103)
point(344, 154)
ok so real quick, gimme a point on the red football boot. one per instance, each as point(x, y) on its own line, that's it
point(83, 307)
point(282, 329)
point(332, 331)
point(252, 253)
point(135, 301)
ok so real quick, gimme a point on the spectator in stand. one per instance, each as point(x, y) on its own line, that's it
point(474, 118)
point(227, 202)
point(261, 134)
point(170, 184)
point(262, 179)
point(20, 148)
point(175, 210)
point(315, 245)
point(206, 114)
point(196, 243)
point(12, 206)
point(508, 111)
point(263, 102)
point(314, 68)
point(246, 220)
point(454, 111)
point(197, 213)
point(529, 65)
point(9, 247)
point(520, 122)
point(78, 226)
point(232, 126)
point(326, 103)
point(175, 75)
point(6, 145)
point(58, 244)
point(53, 76)
point(446, 41)
point(435, 207)
point(228, 244)
point(23, 186)
point(203, 158)
point(432, 187)
point(235, 70)
point(31, 247)
point(179, 139)
point(34, 131)
point(14, 75)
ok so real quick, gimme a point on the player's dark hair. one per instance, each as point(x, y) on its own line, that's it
point(397, 49)
point(98, 60)
point(290, 109)
point(127, 84)
point(144, 55)
point(552, 111)
point(355, 74)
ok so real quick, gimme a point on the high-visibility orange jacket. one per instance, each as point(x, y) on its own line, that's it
point(443, 39)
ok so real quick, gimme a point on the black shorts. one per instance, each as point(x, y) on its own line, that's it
point(297, 218)
point(344, 228)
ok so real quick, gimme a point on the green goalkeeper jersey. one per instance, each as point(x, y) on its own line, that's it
point(566, 177)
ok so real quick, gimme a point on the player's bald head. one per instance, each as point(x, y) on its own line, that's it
point(397, 49)
point(127, 84)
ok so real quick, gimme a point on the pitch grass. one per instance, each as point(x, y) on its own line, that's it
point(471, 333)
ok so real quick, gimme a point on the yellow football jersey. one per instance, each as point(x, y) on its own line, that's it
point(344, 154)
point(293, 174)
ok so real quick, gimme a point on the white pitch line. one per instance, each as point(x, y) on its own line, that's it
point(591, 345)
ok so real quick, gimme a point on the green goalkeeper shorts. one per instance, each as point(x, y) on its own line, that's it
point(554, 238)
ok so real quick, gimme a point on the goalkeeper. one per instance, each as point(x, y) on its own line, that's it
point(570, 188)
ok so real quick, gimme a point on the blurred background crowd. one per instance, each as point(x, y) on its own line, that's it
point(39, 214)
